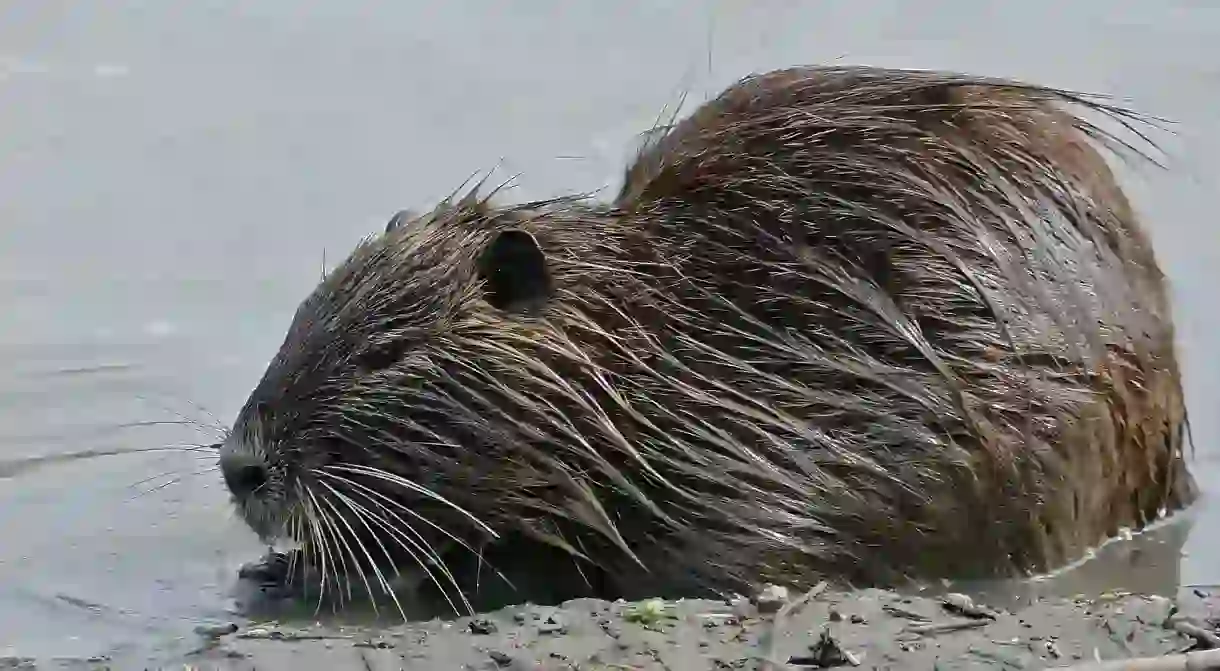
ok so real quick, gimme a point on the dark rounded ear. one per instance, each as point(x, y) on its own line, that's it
point(515, 272)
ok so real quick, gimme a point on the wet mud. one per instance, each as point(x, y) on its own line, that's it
point(870, 629)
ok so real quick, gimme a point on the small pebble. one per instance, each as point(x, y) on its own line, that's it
point(500, 658)
point(771, 598)
point(964, 605)
point(482, 627)
point(826, 653)
point(215, 630)
point(956, 600)
point(552, 625)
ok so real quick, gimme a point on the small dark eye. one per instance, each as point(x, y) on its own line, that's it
point(381, 356)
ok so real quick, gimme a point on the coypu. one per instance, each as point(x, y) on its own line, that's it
point(849, 323)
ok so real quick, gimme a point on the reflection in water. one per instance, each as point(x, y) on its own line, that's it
point(1148, 563)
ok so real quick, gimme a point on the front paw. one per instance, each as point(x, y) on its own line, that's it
point(273, 570)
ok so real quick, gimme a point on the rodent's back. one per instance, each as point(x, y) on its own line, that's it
point(957, 296)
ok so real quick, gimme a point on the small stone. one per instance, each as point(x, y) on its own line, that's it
point(964, 605)
point(826, 653)
point(835, 616)
point(215, 630)
point(482, 627)
point(958, 600)
point(552, 625)
point(500, 658)
point(771, 599)
point(858, 619)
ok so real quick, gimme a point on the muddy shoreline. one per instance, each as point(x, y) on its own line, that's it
point(869, 629)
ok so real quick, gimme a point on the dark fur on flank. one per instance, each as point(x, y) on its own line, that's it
point(845, 323)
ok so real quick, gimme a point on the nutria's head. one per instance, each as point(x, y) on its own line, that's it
point(363, 424)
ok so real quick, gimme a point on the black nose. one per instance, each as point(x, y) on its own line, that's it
point(243, 475)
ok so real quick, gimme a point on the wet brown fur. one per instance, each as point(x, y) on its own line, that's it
point(842, 322)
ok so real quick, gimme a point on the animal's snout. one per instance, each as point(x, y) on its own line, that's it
point(243, 474)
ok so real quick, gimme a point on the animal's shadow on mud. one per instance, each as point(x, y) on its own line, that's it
point(513, 572)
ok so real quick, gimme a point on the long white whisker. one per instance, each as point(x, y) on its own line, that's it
point(328, 525)
point(347, 544)
point(321, 548)
point(401, 507)
point(171, 483)
point(417, 545)
point(295, 530)
point(341, 498)
point(137, 483)
point(213, 424)
point(362, 514)
point(417, 488)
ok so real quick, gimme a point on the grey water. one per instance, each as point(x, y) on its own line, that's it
point(173, 176)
